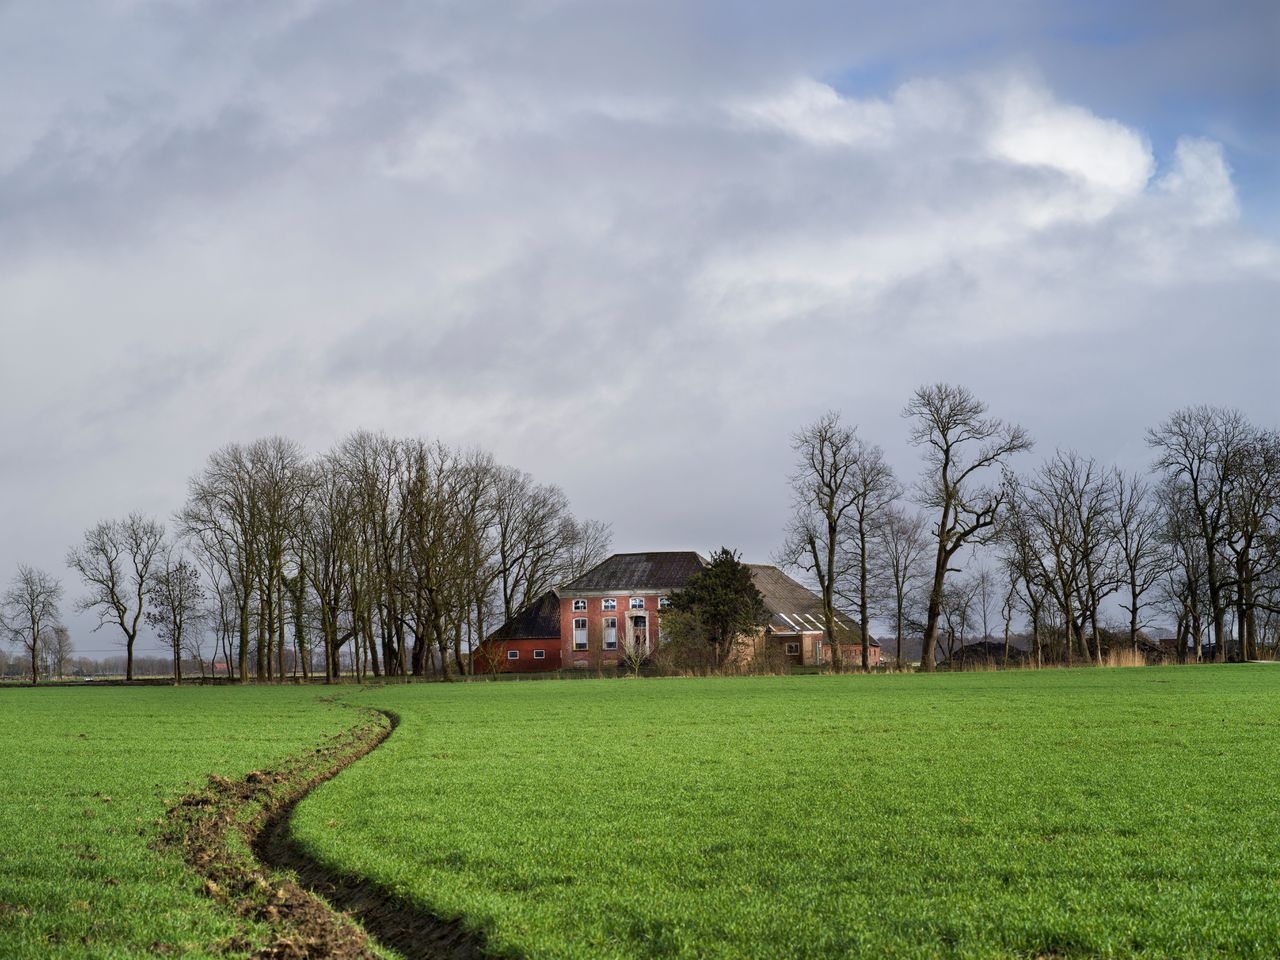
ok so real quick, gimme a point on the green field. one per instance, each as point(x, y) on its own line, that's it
point(1052, 814)
point(84, 776)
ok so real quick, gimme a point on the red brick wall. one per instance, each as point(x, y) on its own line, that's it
point(526, 663)
point(595, 656)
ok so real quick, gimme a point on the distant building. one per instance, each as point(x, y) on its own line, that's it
point(796, 622)
point(595, 620)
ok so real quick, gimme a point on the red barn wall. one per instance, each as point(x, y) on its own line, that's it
point(526, 663)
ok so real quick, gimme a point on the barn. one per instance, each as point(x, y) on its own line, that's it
point(528, 642)
point(796, 622)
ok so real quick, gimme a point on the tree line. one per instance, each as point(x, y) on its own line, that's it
point(394, 557)
point(1194, 541)
point(384, 556)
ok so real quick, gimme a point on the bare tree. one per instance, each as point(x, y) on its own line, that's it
point(956, 617)
point(875, 490)
point(219, 519)
point(819, 531)
point(985, 597)
point(1008, 606)
point(587, 545)
point(177, 607)
point(1182, 589)
point(962, 446)
point(1136, 526)
point(1020, 555)
point(29, 611)
point(56, 649)
point(902, 542)
point(1067, 505)
point(117, 563)
point(1201, 447)
point(328, 532)
point(1253, 516)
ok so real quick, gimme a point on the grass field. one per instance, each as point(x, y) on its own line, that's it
point(84, 776)
point(1054, 814)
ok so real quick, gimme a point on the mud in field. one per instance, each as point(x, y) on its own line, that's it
point(234, 834)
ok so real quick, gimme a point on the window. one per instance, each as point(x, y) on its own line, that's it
point(664, 602)
point(539, 654)
point(609, 604)
point(793, 648)
point(637, 603)
point(580, 633)
point(579, 605)
point(611, 633)
point(513, 654)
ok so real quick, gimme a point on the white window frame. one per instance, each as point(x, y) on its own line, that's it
point(635, 603)
point(513, 654)
point(539, 654)
point(664, 602)
point(793, 648)
point(583, 645)
point(580, 606)
point(611, 644)
point(609, 603)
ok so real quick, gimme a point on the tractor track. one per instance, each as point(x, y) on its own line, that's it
point(235, 834)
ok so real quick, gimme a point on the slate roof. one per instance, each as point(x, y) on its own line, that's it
point(638, 571)
point(540, 620)
point(794, 608)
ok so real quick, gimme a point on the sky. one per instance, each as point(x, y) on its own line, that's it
point(630, 247)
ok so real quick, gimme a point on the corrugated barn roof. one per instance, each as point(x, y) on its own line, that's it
point(794, 607)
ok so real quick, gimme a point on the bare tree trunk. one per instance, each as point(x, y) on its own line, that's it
point(930, 641)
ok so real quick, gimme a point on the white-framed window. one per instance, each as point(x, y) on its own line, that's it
point(579, 605)
point(611, 633)
point(580, 633)
point(637, 603)
point(664, 602)
point(609, 604)
point(513, 654)
point(793, 647)
point(539, 654)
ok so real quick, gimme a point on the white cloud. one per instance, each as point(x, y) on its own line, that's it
point(976, 178)
point(1034, 129)
point(814, 112)
point(1201, 181)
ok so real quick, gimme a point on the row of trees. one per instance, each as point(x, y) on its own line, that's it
point(392, 555)
point(1195, 542)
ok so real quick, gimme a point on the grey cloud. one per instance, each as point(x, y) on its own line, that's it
point(552, 232)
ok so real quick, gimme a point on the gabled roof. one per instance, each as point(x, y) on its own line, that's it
point(540, 620)
point(793, 607)
point(638, 571)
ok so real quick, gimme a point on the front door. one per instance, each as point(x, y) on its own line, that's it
point(640, 635)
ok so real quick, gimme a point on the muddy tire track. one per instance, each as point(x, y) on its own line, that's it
point(235, 835)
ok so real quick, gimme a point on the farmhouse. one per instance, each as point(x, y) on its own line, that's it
point(615, 609)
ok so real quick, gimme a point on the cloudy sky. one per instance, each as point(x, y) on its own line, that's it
point(629, 247)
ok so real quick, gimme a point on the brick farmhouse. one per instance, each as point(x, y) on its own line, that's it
point(593, 621)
